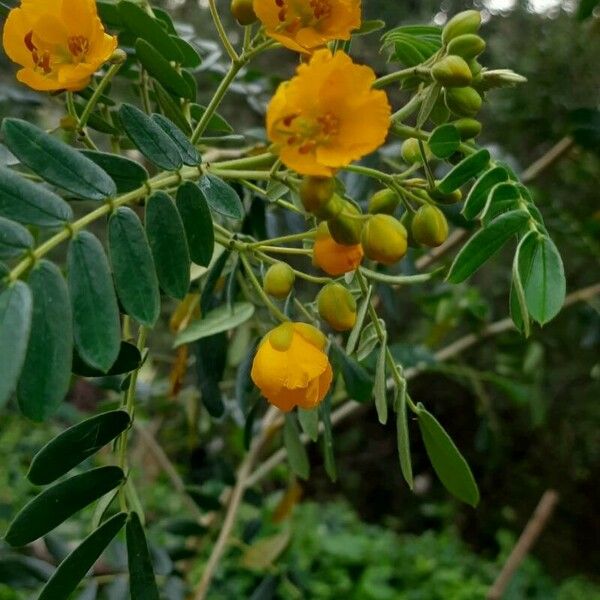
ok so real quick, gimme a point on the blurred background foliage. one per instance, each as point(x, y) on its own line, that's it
point(524, 412)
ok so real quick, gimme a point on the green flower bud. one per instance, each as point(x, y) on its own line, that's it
point(279, 280)
point(337, 307)
point(345, 228)
point(468, 21)
point(118, 57)
point(467, 128)
point(384, 239)
point(316, 192)
point(463, 101)
point(452, 71)
point(429, 226)
point(468, 45)
point(243, 11)
point(475, 67)
point(383, 201)
point(452, 198)
point(411, 153)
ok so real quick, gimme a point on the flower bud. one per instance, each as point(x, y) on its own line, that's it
point(243, 11)
point(499, 78)
point(468, 21)
point(316, 193)
point(346, 227)
point(475, 67)
point(468, 45)
point(411, 152)
point(429, 226)
point(118, 57)
point(332, 257)
point(337, 307)
point(463, 101)
point(69, 123)
point(279, 280)
point(452, 198)
point(452, 71)
point(384, 239)
point(383, 201)
point(467, 128)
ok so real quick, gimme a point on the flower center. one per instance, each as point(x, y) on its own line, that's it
point(308, 133)
point(294, 14)
point(75, 51)
point(78, 47)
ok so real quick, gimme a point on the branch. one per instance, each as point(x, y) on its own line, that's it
point(530, 534)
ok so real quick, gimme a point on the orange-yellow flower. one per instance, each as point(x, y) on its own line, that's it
point(59, 44)
point(290, 367)
point(335, 259)
point(303, 25)
point(328, 115)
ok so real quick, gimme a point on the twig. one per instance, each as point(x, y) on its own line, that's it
point(233, 506)
point(530, 534)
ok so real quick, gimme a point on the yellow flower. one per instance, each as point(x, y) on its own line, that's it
point(290, 367)
point(328, 115)
point(59, 44)
point(303, 25)
point(335, 259)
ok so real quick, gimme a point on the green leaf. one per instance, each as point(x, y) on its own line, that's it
point(171, 109)
point(129, 359)
point(74, 445)
point(142, 583)
point(133, 267)
point(58, 502)
point(485, 243)
point(166, 235)
point(503, 198)
point(55, 162)
point(160, 69)
point(359, 384)
point(309, 421)
point(14, 239)
point(189, 155)
point(149, 138)
point(444, 141)
point(518, 302)
point(402, 436)
point(142, 25)
point(447, 461)
point(325, 413)
point(97, 327)
point(16, 306)
point(216, 321)
point(431, 96)
point(74, 568)
point(380, 388)
point(368, 27)
point(46, 373)
point(478, 195)
point(191, 58)
point(127, 174)
point(465, 170)
point(543, 276)
point(197, 222)
point(216, 122)
point(29, 203)
point(360, 319)
point(221, 197)
point(296, 451)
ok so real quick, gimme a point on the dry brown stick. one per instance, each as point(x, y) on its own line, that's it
point(527, 539)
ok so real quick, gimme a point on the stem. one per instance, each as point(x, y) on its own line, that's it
point(284, 239)
point(91, 104)
point(221, 31)
point(418, 71)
